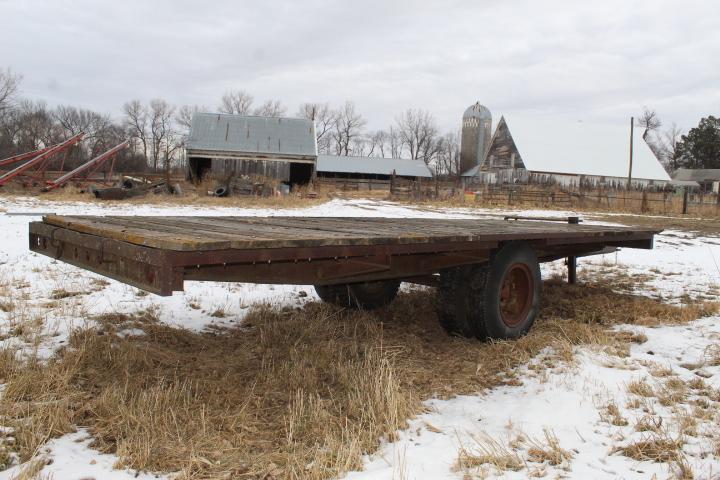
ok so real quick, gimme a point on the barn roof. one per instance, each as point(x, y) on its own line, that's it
point(217, 132)
point(372, 166)
point(697, 174)
point(583, 148)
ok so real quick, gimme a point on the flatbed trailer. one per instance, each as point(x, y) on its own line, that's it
point(486, 270)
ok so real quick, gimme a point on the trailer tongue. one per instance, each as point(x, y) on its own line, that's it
point(486, 271)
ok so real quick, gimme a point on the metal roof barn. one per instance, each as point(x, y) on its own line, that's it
point(372, 166)
point(219, 135)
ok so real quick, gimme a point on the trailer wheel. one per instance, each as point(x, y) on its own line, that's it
point(499, 300)
point(366, 295)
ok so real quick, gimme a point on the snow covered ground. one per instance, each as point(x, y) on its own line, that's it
point(567, 405)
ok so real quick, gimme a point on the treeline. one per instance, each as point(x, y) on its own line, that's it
point(157, 129)
point(699, 148)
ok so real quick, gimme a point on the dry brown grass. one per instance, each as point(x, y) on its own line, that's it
point(31, 471)
point(655, 448)
point(195, 196)
point(60, 293)
point(294, 393)
point(641, 388)
point(612, 415)
point(712, 355)
point(489, 451)
point(648, 423)
point(548, 450)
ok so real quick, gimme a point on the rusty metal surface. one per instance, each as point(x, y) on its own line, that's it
point(127, 265)
point(40, 161)
point(88, 168)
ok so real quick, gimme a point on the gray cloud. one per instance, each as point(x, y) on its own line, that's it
point(592, 60)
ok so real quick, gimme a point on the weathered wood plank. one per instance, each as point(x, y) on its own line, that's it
point(216, 233)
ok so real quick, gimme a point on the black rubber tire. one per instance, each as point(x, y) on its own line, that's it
point(469, 296)
point(363, 296)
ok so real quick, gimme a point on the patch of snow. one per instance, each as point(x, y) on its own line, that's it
point(70, 457)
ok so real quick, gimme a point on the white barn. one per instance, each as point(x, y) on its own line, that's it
point(546, 150)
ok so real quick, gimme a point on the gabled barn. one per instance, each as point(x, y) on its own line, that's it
point(274, 147)
point(557, 151)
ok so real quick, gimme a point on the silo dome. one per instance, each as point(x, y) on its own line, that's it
point(478, 111)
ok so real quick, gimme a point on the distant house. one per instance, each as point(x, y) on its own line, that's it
point(274, 147)
point(573, 154)
point(336, 166)
point(707, 179)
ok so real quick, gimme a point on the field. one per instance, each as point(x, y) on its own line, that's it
point(619, 378)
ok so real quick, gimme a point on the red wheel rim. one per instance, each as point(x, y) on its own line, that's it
point(516, 294)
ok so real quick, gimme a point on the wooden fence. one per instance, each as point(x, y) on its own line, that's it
point(665, 203)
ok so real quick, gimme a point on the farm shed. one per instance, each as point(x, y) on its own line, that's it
point(708, 179)
point(543, 150)
point(336, 166)
point(273, 147)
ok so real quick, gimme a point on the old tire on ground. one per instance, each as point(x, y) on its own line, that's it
point(366, 295)
point(498, 300)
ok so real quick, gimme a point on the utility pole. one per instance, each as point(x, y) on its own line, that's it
point(632, 126)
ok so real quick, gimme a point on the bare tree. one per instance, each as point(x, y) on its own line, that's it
point(324, 118)
point(9, 86)
point(348, 125)
point(419, 134)
point(447, 161)
point(237, 102)
point(360, 147)
point(100, 131)
point(185, 114)
point(36, 126)
point(668, 142)
point(164, 136)
point(137, 124)
point(271, 108)
point(649, 121)
point(377, 142)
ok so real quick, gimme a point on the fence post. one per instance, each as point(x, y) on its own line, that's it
point(685, 200)
point(572, 260)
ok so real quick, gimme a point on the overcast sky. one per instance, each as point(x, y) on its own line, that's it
point(601, 60)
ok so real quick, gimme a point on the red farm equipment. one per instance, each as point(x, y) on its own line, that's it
point(40, 161)
point(88, 168)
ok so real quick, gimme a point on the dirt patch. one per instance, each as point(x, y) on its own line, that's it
point(294, 393)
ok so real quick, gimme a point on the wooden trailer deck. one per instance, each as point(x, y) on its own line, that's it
point(158, 253)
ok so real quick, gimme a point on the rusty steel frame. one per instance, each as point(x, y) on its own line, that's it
point(163, 271)
point(41, 160)
point(88, 167)
point(23, 156)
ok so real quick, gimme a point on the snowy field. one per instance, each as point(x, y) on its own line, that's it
point(588, 410)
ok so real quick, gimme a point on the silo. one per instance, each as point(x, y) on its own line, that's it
point(476, 134)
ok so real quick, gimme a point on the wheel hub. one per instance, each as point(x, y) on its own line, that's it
point(516, 294)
